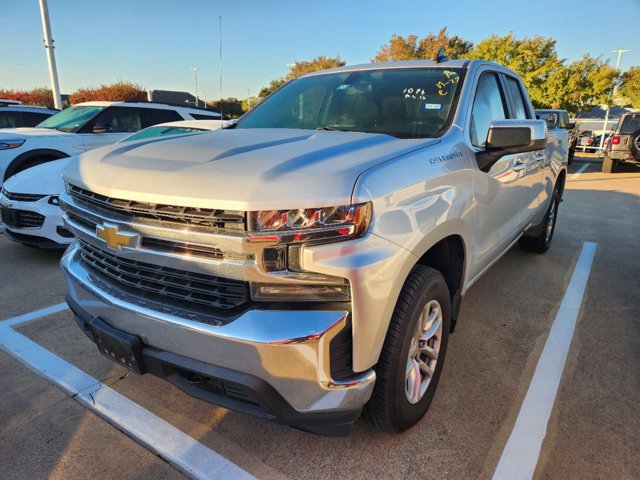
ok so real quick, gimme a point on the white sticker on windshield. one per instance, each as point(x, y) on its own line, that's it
point(433, 106)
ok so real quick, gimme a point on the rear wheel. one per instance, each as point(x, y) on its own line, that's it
point(540, 241)
point(608, 164)
point(413, 353)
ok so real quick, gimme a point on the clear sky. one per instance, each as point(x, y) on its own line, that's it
point(156, 42)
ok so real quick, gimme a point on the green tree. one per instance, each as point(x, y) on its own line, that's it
point(415, 48)
point(629, 90)
point(272, 87)
point(534, 59)
point(580, 85)
point(296, 69)
point(231, 107)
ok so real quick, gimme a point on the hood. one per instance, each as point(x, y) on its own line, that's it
point(244, 169)
point(44, 179)
point(30, 132)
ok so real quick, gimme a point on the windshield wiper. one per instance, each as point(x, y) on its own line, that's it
point(333, 129)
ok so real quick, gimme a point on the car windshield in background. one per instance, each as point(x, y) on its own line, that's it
point(550, 118)
point(71, 119)
point(153, 132)
point(403, 102)
point(630, 125)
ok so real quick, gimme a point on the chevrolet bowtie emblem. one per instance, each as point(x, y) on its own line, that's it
point(115, 239)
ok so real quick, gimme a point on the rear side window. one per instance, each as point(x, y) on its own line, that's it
point(8, 119)
point(630, 124)
point(564, 119)
point(197, 116)
point(153, 116)
point(520, 110)
point(488, 106)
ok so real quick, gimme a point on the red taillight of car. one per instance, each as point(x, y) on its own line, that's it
point(615, 140)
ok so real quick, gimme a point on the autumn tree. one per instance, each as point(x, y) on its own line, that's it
point(115, 92)
point(42, 96)
point(296, 69)
point(629, 90)
point(413, 47)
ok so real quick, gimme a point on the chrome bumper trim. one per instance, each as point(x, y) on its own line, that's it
point(287, 349)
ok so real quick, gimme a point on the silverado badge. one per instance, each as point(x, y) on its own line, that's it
point(116, 239)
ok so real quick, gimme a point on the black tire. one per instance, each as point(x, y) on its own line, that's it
point(634, 144)
point(608, 164)
point(572, 153)
point(539, 238)
point(389, 407)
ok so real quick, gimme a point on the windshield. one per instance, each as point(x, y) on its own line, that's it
point(550, 117)
point(630, 125)
point(153, 132)
point(71, 119)
point(403, 102)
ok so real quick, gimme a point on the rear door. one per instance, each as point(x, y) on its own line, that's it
point(529, 166)
point(499, 191)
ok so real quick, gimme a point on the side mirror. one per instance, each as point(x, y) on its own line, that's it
point(570, 126)
point(507, 137)
point(102, 128)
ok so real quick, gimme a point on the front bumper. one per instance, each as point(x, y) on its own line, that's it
point(52, 233)
point(281, 356)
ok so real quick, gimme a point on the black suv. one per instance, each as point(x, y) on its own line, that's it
point(624, 145)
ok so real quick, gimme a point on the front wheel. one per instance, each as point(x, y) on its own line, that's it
point(413, 353)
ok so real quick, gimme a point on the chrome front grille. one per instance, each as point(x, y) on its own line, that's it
point(172, 247)
point(166, 285)
point(131, 209)
point(21, 197)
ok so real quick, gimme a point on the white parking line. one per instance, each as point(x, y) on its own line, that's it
point(183, 452)
point(27, 317)
point(520, 455)
point(580, 170)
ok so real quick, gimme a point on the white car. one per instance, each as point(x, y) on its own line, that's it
point(83, 127)
point(35, 219)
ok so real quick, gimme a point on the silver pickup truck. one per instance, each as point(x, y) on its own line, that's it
point(309, 264)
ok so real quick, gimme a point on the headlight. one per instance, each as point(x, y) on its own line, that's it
point(341, 222)
point(9, 144)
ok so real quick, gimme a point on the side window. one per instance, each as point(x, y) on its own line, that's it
point(153, 116)
point(516, 97)
point(121, 119)
point(197, 116)
point(31, 119)
point(488, 105)
point(564, 119)
point(8, 119)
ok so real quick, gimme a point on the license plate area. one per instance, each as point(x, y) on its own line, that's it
point(120, 347)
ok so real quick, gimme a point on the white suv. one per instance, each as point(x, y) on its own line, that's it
point(83, 127)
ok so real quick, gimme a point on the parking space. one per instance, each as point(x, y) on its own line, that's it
point(593, 429)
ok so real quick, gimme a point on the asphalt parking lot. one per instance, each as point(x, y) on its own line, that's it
point(593, 430)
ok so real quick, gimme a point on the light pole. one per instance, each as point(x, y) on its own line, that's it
point(620, 51)
point(249, 99)
point(195, 77)
point(48, 45)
